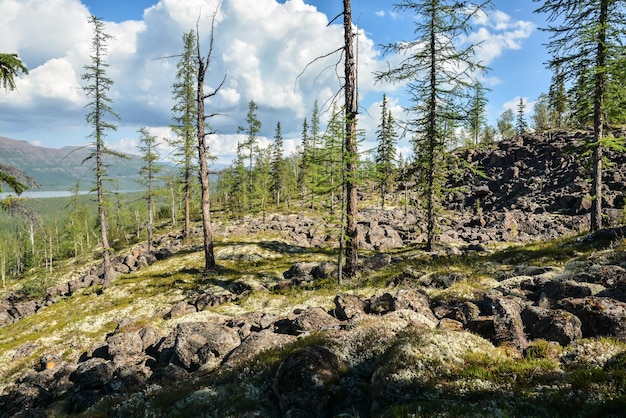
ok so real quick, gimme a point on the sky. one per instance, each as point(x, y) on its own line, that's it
point(265, 48)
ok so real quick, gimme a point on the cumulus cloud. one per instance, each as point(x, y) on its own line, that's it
point(277, 54)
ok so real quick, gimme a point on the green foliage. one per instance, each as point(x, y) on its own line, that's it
point(438, 97)
point(505, 124)
point(385, 152)
point(10, 68)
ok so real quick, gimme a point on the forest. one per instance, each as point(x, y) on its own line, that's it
point(448, 112)
point(336, 183)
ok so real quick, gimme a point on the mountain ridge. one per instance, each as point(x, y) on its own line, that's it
point(59, 169)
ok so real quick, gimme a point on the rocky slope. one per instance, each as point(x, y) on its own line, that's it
point(473, 329)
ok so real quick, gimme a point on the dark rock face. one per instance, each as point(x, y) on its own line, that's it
point(551, 325)
point(192, 344)
point(304, 382)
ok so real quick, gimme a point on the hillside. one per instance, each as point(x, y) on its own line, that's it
point(518, 313)
point(61, 169)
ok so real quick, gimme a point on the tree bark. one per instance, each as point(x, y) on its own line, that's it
point(598, 122)
point(351, 104)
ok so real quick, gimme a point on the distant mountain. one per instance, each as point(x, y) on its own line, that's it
point(60, 169)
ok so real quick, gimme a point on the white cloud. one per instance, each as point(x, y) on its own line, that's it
point(269, 51)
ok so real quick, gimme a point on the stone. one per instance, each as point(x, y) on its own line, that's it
point(255, 344)
point(193, 345)
point(551, 325)
point(349, 307)
point(305, 380)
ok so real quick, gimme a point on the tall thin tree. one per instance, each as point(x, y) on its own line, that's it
point(149, 171)
point(385, 152)
point(351, 152)
point(587, 37)
point(440, 73)
point(98, 115)
point(184, 115)
point(278, 166)
point(203, 63)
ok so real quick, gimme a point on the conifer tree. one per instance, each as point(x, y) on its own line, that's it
point(278, 166)
point(149, 171)
point(252, 130)
point(99, 112)
point(184, 127)
point(587, 38)
point(521, 126)
point(305, 160)
point(439, 75)
point(385, 152)
point(477, 118)
point(10, 68)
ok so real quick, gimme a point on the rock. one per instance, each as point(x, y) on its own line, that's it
point(600, 317)
point(377, 262)
point(193, 345)
point(507, 321)
point(256, 343)
point(551, 325)
point(181, 309)
point(313, 319)
point(305, 380)
point(124, 345)
point(93, 373)
point(349, 307)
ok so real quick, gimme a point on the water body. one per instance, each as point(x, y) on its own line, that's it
point(59, 193)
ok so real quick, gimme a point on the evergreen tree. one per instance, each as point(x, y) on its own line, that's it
point(587, 38)
point(557, 99)
point(99, 110)
point(521, 126)
point(278, 166)
point(251, 130)
point(477, 118)
point(149, 171)
point(10, 68)
point(385, 152)
point(305, 160)
point(184, 117)
point(439, 75)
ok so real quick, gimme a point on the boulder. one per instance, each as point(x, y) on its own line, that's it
point(507, 321)
point(599, 316)
point(304, 382)
point(193, 345)
point(551, 325)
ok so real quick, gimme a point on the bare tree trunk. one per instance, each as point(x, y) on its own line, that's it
point(598, 101)
point(203, 65)
point(350, 92)
point(106, 256)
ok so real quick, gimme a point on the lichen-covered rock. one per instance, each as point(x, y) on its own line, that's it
point(193, 345)
point(507, 321)
point(600, 317)
point(305, 380)
point(551, 325)
point(256, 343)
point(349, 307)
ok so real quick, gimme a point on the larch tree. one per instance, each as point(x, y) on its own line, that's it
point(439, 73)
point(305, 159)
point(351, 151)
point(521, 126)
point(278, 166)
point(586, 37)
point(184, 115)
point(202, 64)
point(10, 68)
point(251, 130)
point(385, 151)
point(98, 116)
point(477, 113)
point(149, 172)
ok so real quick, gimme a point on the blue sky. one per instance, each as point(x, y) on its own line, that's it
point(261, 44)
